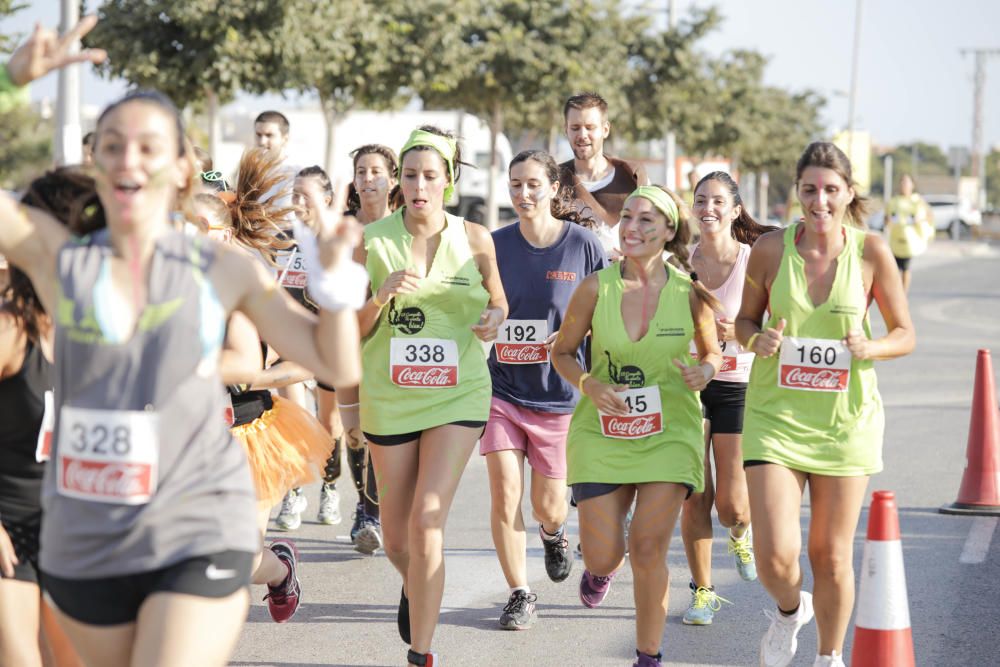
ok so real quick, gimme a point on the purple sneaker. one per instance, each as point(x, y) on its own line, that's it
point(594, 589)
point(643, 660)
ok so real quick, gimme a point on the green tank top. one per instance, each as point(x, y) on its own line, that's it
point(422, 365)
point(661, 440)
point(812, 407)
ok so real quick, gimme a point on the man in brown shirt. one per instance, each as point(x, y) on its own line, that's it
point(600, 183)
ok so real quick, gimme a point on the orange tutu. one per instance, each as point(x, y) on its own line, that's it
point(286, 447)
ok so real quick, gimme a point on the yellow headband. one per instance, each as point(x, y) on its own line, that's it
point(660, 199)
point(446, 146)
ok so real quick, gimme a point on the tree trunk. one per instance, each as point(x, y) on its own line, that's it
point(496, 126)
point(331, 119)
point(214, 124)
point(553, 140)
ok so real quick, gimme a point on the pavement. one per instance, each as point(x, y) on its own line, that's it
point(952, 563)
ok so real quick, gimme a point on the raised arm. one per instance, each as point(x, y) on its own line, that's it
point(30, 239)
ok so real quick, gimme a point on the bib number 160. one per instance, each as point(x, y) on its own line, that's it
point(817, 355)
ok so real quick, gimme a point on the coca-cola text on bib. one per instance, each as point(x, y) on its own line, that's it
point(645, 415)
point(108, 456)
point(734, 357)
point(293, 273)
point(814, 364)
point(429, 363)
point(522, 342)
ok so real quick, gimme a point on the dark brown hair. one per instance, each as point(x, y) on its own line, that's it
point(562, 204)
point(825, 155)
point(275, 117)
point(397, 201)
point(586, 100)
point(744, 228)
point(389, 155)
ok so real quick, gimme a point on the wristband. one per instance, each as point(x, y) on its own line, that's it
point(579, 383)
point(344, 287)
point(750, 342)
point(375, 300)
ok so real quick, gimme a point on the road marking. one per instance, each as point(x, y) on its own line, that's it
point(977, 545)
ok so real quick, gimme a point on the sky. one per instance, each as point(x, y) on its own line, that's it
point(913, 82)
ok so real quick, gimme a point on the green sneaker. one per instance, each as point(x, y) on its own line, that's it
point(704, 604)
point(742, 549)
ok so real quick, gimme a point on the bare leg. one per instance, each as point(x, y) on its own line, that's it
point(175, 630)
point(19, 623)
point(396, 478)
point(98, 645)
point(696, 524)
point(506, 471)
point(602, 530)
point(548, 501)
point(776, 501)
point(267, 567)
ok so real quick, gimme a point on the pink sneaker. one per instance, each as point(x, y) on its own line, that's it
point(283, 599)
point(593, 589)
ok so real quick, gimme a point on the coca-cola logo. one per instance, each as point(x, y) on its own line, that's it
point(294, 279)
point(425, 376)
point(728, 364)
point(409, 320)
point(513, 353)
point(820, 379)
point(112, 480)
point(632, 427)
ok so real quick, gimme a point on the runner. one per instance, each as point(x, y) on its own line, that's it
point(600, 182)
point(813, 413)
point(425, 394)
point(25, 437)
point(542, 258)
point(908, 227)
point(720, 259)
point(374, 186)
point(138, 571)
point(636, 433)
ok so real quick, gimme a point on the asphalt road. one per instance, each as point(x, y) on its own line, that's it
point(348, 611)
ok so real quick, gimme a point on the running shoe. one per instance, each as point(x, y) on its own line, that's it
point(359, 519)
point(558, 558)
point(778, 646)
point(368, 539)
point(403, 617)
point(644, 660)
point(742, 550)
point(519, 614)
point(329, 505)
point(704, 604)
point(283, 599)
point(835, 660)
point(292, 507)
point(422, 659)
point(594, 589)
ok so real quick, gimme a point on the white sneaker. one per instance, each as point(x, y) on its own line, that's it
point(329, 505)
point(834, 660)
point(778, 646)
point(292, 507)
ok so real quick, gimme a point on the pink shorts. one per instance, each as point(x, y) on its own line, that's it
point(540, 435)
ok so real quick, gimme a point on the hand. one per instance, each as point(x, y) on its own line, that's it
point(45, 51)
point(489, 323)
point(858, 344)
point(606, 397)
point(726, 329)
point(8, 559)
point(337, 234)
point(695, 377)
point(769, 340)
point(551, 340)
point(405, 281)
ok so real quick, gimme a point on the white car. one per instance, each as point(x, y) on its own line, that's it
point(948, 213)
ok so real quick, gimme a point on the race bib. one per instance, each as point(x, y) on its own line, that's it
point(431, 363)
point(522, 342)
point(645, 416)
point(108, 456)
point(293, 272)
point(814, 364)
point(734, 357)
point(43, 449)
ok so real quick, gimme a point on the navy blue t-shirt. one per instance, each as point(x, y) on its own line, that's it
point(539, 283)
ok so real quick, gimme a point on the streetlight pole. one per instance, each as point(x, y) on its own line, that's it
point(68, 146)
point(851, 104)
point(670, 139)
point(978, 152)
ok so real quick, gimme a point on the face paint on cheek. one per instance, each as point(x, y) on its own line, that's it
point(539, 195)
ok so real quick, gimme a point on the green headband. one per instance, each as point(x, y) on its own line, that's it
point(443, 145)
point(660, 199)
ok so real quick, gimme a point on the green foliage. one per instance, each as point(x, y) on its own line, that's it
point(8, 7)
point(993, 179)
point(27, 147)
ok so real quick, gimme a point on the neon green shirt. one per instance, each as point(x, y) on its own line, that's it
point(907, 225)
point(438, 374)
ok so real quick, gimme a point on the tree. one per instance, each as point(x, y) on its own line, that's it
point(521, 58)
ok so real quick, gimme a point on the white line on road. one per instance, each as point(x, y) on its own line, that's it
point(977, 545)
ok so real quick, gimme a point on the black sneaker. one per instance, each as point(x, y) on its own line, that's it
point(359, 520)
point(519, 614)
point(403, 617)
point(558, 557)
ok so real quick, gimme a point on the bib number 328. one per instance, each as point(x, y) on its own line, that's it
point(108, 456)
point(430, 363)
point(814, 364)
point(645, 415)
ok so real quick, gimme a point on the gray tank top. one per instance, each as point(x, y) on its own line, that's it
point(144, 472)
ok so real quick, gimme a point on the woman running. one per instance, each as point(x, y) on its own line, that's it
point(138, 572)
point(425, 394)
point(542, 258)
point(720, 259)
point(636, 433)
point(813, 415)
point(25, 438)
point(908, 227)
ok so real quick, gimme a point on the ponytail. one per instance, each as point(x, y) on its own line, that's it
point(255, 220)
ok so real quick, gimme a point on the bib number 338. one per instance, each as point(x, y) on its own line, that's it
point(645, 415)
point(430, 363)
point(814, 364)
point(107, 456)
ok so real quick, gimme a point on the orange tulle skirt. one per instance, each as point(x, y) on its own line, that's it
point(286, 447)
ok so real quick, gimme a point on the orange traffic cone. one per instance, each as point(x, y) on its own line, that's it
point(882, 634)
point(980, 491)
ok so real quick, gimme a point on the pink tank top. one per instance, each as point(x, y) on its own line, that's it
point(736, 361)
